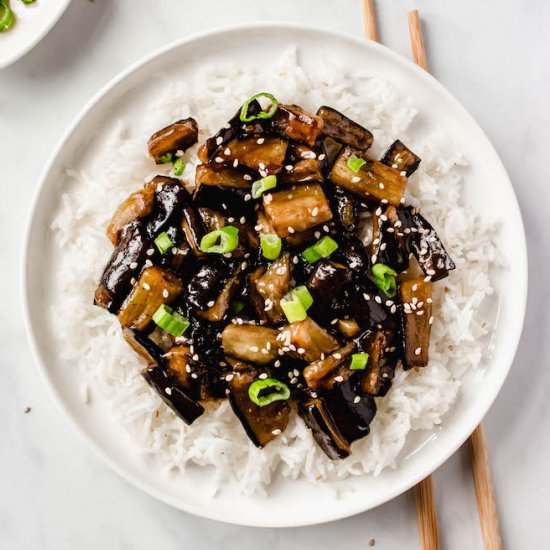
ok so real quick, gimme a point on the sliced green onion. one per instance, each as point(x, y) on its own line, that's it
point(304, 296)
point(323, 248)
point(245, 117)
point(293, 308)
point(220, 241)
point(261, 186)
point(165, 159)
point(278, 391)
point(359, 361)
point(237, 306)
point(170, 321)
point(163, 242)
point(27, 2)
point(271, 246)
point(384, 279)
point(7, 17)
point(354, 163)
point(178, 166)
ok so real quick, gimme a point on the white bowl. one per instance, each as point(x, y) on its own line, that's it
point(290, 503)
point(33, 22)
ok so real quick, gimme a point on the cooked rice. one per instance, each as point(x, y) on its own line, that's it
point(417, 400)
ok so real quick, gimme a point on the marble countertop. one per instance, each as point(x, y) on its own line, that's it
point(55, 494)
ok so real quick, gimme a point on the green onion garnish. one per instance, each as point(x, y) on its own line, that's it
point(220, 241)
point(384, 278)
point(304, 296)
point(296, 303)
point(354, 163)
point(271, 246)
point(237, 306)
point(7, 17)
point(293, 308)
point(28, 2)
point(245, 117)
point(323, 248)
point(165, 159)
point(359, 361)
point(278, 391)
point(170, 321)
point(163, 242)
point(178, 166)
point(261, 186)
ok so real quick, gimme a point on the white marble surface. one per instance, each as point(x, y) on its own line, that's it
point(55, 494)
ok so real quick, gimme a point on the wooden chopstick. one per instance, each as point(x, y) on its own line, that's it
point(417, 40)
point(369, 20)
point(425, 515)
point(485, 496)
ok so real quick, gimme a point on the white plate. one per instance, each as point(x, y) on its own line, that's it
point(33, 23)
point(290, 503)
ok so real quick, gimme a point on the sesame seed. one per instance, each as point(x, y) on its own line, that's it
point(301, 351)
point(337, 356)
point(357, 399)
point(294, 381)
point(168, 391)
point(194, 375)
point(255, 349)
point(227, 151)
point(133, 281)
point(165, 293)
point(235, 163)
point(421, 312)
point(403, 172)
point(218, 159)
point(259, 141)
point(334, 321)
point(373, 258)
point(429, 300)
point(219, 140)
point(296, 372)
point(317, 234)
point(247, 197)
point(415, 287)
point(418, 351)
point(276, 431)
point(430, 271)
point(150, 252)
point(366, 296)
point(146, 286)
point(315, 211)
point(229, 377)
point(326, 228)
point(210, 303)
point(295, 260)
point(427, 279)
point(264, 351)
point(188, 368)
point(148, 263)
point(381, 185)
point(430, 320)
point(230, 220)
point(195, 357)
point(338, 378)
point(133, 265)
point(377, 299)
point(289, 167)
point(290, 229)
point(277, 364)
point(261, 166)
point(393, 308)
point(356, 179)
point(247, 177)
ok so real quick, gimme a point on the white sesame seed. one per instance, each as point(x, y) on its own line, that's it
point(219, 140)
point(277, 364)
point(377, 299)
point(165, 293)
point(259, 141)
point(247, 177)
point(255, 349)
point(146, 286)
point(357, 399)
point(133, 281)
point(403, 173)
point(168, 391)
point(393, 308)
point(315, 211)
point(317, 234)
point(295, 260)
point(294, 381)
point(427, 279)
point(229, 377)
point(373, 258)
point(290, 229)
point(218, 159)
point(289, 167)
point(247, 197)
point(276, 431)
point(150, 252)
point(430, 320)
point(261, 166)
point(356, 179)
point(230, 220)
point(366, 296)
point(227, 151)
point(301, 351)
point(194, 375)
point(133, 265)
point(415, 287)
point(322, 156)
point(148, 263)
point(188, 368)
point(429, 300)
point(195, 357)
point(326, 228)
point(418, 351)
point(235, 163)
point(337, 356)
point(338, 378)
point(381, 185)
point(210, 303)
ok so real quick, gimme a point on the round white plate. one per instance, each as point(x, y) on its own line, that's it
point(34, 21)
point(290, 503)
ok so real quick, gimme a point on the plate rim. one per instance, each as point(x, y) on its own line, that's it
point(152, 490)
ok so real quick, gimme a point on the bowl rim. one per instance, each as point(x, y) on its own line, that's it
point(421, 473)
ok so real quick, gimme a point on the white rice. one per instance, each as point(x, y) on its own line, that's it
point(417, 401)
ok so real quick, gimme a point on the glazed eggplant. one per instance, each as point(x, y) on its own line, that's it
point(424, 243)
point(416, 321)
point(154, 288)
point(340, 334)
point(173, 394)
point(294, 123)
point(374, 181)
point(344, 130)
point(297, 208)
point(251, 343)
point(179, 136)
point(262, 424)
point(400, 157)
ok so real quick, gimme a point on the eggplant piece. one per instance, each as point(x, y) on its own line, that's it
point(172, 394)
point(308, 336)
point(296, 209)
point(195, 378)
point(269, 286)
point(386, 247)
point(170, 198)
point(124, 264)
point(344, 130)
point(204, 336)
point(302, 171)
point(155, 287)
point(374, 181)
point(138, 205)
point(266, 157)
point(368, 305)
point(326, 372)
point(352, 253)
point(416, 321)
point(376, 378)
point(222, 176)
point(348, 327)
point(251, 343)
point(331, 149)
point(179, 136)
point(193, 229)
point(206, 283)
point(262, 424)
point(324, 284)
point(143, 346)
point(401, 158)
point(344, 205)
point(424, 243)
point(219, 309)
point(294, 123)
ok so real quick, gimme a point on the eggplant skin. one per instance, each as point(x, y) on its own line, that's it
point(172, 394)
point(344, 130)
point(179, 136)
point(400, 157)
point(294, 123)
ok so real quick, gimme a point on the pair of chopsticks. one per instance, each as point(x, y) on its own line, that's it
point(424, 494)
